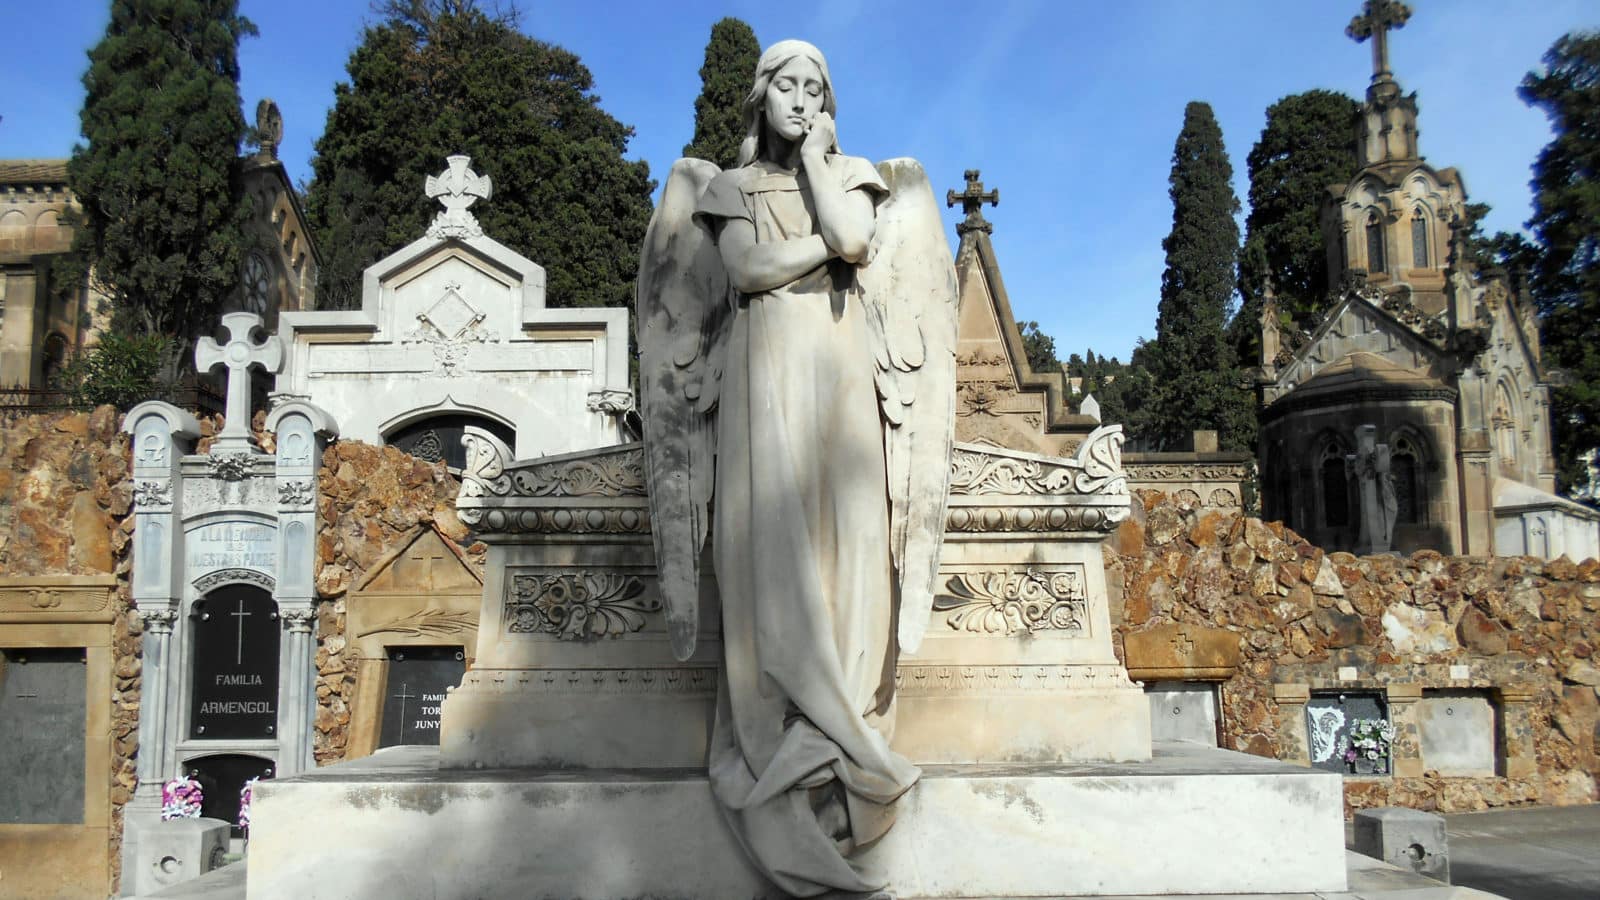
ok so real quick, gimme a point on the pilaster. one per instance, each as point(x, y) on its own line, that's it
point(1293, 741)
point(1405, 753)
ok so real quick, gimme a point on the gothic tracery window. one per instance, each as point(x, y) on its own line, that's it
point(1406, 467)
point(1335, 485)
point(1504, 422)
point(1376, 261)
point(1419, 238)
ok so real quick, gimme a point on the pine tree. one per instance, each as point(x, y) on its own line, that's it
point(1566, 222)
point(731, 57)
point(1196, 383)
point(1040, 348)
point(439, 77)
point(163, 214)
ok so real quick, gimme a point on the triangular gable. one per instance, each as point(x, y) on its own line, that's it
point(429, 564)
point(1357, 324)
point(999, 398)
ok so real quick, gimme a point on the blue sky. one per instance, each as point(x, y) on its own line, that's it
point(1069, 107)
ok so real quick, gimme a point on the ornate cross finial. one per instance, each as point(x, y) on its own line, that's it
point(269, 127)
point(972, 201)
point(1376, 19)
point(238, 354)
point(457, 188)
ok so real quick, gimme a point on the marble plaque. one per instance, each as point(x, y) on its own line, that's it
point(42, 708)
point(1183, 711)
point(235, 688)
point(1329, 720)
point(1457, 731)
point(418, 680)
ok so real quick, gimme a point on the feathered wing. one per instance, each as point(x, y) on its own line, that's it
point(683, 310)
point(910, 297)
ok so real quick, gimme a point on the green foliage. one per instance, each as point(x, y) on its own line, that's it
point(1118, 387)
point(730, 65)
point(1566, 222)
point(1040, 348)
point(122, 370)
point(440, 77)
point(1195, 380)
point(163, 215)
point(1307, 146)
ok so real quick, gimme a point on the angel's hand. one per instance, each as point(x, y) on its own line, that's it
point(820, 135)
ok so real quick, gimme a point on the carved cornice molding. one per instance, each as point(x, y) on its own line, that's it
point(1144, 473)
point(22, 599)
point(212, 580)
point(1033, 519)
point(698, 681)
point(1095, 469)
point(915, 680)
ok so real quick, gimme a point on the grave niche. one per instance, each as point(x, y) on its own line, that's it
point(1458, 730)
point(221, 777)
point(418, 679)
point(235, 683)
point(42, 706)
point(1330, 717)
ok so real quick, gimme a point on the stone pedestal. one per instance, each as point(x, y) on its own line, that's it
point(176, 851)
point(1190, 820)
point(1407, 838)
point(1017, 665)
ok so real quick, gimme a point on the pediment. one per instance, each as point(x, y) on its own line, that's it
point(429, 564)
point(1358, 326)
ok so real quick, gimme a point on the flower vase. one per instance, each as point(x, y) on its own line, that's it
point(1364, 766)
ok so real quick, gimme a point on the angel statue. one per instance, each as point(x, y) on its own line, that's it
point(796, 338)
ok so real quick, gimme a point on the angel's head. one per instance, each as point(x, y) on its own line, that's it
point(791, 86)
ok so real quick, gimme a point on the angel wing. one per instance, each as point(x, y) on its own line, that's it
point(683, 310)
point(911, 301)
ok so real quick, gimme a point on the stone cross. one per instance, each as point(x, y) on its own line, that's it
point(456, 189)
point(972, 201)
point(1377, 17)
point(238, 354)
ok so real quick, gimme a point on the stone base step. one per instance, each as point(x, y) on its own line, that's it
point(1192, 820)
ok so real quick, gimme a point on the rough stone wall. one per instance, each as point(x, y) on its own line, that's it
point(1301, 614)
point(65, 502)
point(374, 499)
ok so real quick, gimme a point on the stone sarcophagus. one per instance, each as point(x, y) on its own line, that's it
point(574, 667)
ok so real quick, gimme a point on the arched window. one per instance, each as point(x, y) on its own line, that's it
point(1406, 468)
point(1376, 261)
point(1504, 422)
point(1419, 238)
point(438, 438)
point(1334, 481)
point(53, 358)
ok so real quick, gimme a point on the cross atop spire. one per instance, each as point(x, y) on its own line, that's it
point(972, 201)
point(1376, 19)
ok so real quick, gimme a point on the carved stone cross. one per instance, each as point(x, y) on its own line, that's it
point(972, 201)
point(1377, 17)
point(238, 354)
point(457, 188)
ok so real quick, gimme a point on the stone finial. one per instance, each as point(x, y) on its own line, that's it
point(457, 188)
point(238, 354)
point(972, 200)
point(1376, 19)
point(269, 127)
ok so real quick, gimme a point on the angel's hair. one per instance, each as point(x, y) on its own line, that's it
point(755, 120)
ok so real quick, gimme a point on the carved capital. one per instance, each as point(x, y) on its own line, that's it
point(159, 619)
point(298, 619)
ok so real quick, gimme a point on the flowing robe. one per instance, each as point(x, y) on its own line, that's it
point(800, 759)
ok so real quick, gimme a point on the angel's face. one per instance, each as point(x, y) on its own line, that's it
point(793, 97)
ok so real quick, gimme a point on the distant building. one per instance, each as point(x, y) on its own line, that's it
point(1436, 361)
point(43, 321)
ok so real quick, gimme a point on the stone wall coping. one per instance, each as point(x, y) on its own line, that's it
point(180, 424)
point(321, 422)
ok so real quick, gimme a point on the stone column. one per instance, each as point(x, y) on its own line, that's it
point(162, 433)
point(1516, 730)
point(1475, 455)
point(1405, 755)
point(302, 431)
point(1293, 742)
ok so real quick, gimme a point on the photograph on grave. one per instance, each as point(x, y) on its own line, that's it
point(418, 679)
point(222, 776)
point(1349, 732)
point(235, 683)
point(42, 709)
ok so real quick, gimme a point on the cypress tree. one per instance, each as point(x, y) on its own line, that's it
point(1566, 261)
point(1195, 380)
point(163, 214)
point(730, 64)
point(439, 77)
